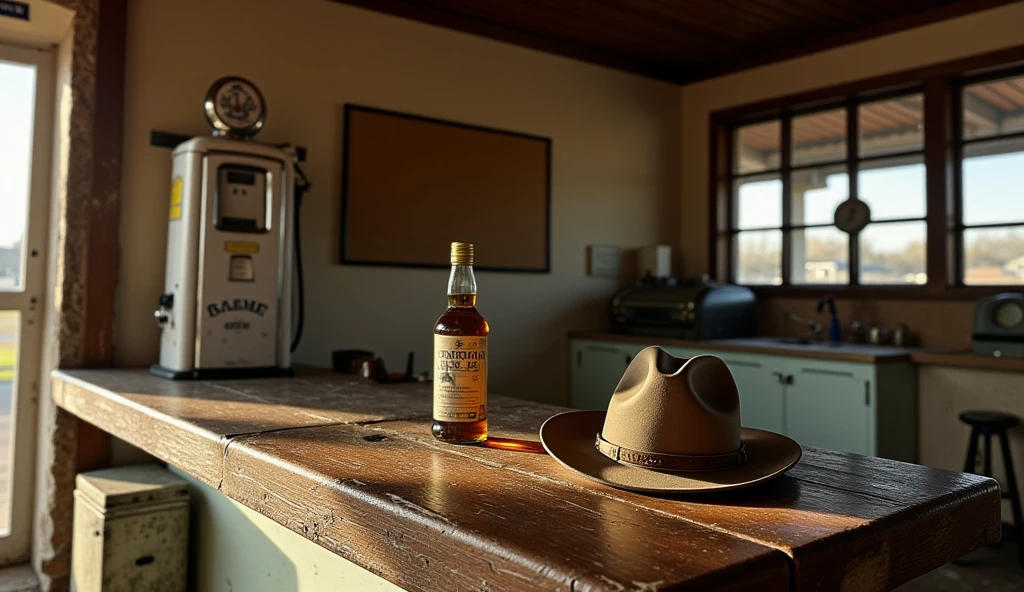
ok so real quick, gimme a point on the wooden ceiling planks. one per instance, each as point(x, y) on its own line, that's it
point(679, 41)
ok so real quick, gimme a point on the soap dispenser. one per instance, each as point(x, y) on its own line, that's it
point(835, 329)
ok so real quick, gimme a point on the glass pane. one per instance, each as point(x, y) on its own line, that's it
point(994, 256)
point(17, 105)
point(890, 126)
point(994, 108)
point(994, 182)
point(9, 323)
point(817, 192)
point(821, 256)
point(758, 202)
point(757, 147)
point(893, 253)
point(759, 257)
point(819, 137)
point(893, 188)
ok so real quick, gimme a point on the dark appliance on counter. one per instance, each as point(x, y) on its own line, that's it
point(695, 309)
point(999, 325)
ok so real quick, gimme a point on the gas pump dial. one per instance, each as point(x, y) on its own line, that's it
point(235, 107)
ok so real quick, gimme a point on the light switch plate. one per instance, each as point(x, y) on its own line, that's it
point(604, 261)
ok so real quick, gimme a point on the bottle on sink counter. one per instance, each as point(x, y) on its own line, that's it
point(460, 358)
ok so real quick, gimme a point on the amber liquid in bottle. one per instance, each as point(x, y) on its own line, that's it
point(460, 358)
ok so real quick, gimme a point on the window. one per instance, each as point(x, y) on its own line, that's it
point(791, 172)
point(991, 190)
point(26, 112)
point(936, 155)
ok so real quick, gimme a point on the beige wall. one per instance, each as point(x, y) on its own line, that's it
point(944, 393)
point(615, 168)
point(978, 33)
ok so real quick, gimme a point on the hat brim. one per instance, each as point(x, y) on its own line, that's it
point(569, 438)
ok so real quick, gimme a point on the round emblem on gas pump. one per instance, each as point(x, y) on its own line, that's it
point(235, 107)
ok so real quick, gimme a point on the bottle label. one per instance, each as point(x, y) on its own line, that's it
point(460, 378)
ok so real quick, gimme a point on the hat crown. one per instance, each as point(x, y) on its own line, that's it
point(669, 405)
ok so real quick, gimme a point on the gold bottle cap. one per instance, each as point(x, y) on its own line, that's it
point(462, 253)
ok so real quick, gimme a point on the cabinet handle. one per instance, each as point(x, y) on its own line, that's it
point(783, 378)
point(742, 364)
point(826, 372)
point(599, 348)
point(867, 393)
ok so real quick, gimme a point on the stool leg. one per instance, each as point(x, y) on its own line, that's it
point(1011, 488)
point(972, 452)
point(987, 471)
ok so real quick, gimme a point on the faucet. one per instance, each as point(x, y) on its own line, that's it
point(812, 325)
point(835, 330)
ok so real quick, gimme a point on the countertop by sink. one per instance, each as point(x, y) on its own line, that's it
point(831, 349)
point(849, 352)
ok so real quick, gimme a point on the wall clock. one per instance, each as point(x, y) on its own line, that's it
point(852, 216)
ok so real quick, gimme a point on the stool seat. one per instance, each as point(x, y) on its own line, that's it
point(989, 421)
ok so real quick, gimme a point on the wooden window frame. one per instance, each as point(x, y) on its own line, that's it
point(941, 85)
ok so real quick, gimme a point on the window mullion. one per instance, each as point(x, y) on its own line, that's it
point(852, 148)
point(787, 192)
point(938, 163)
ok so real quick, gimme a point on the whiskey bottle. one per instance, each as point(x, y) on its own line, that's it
point(460, 358)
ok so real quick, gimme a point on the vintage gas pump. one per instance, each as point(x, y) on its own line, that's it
point(227, 304)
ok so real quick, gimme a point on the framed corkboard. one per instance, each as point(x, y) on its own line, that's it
point(411, 185)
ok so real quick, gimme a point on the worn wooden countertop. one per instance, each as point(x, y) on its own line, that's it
point(351, 466)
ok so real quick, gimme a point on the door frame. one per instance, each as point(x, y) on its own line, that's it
point(29, 302)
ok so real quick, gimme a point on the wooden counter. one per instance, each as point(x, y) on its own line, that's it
point(351, 466)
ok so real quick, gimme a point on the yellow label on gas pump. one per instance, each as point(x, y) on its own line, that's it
point(176, 188)
point(241, 247)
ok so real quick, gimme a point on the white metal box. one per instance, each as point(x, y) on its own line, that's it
point(131, 530)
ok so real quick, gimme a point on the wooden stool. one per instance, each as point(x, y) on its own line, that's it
point(987, 423)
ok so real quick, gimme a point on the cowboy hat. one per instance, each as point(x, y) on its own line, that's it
point(672, 425)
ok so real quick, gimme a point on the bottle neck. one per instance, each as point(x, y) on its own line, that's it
point(462, 287)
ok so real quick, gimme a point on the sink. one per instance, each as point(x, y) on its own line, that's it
point(803, 341)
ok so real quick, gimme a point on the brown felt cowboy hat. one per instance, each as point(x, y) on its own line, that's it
point(673, 425)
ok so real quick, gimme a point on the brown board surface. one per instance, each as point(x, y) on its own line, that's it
point(352, 466)
point(412, 185)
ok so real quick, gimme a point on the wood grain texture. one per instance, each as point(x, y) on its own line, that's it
point(189, 423)
point(352, 466)
point(427, 519)
point(680, 42)
point(846, 521)
point(859, 353)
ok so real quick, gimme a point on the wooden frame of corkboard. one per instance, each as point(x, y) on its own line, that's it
point(411, 185)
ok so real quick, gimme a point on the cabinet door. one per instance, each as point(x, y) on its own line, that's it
point(829, 408)
point(595, 372)
point(761, 392)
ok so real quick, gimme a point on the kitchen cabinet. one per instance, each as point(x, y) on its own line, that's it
point(761, 392)
point(828, 407)
point(596, 370)
point(857, 407)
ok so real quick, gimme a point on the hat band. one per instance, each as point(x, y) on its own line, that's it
point(671, 462)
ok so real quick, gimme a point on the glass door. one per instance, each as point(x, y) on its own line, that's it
point(26, 127)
